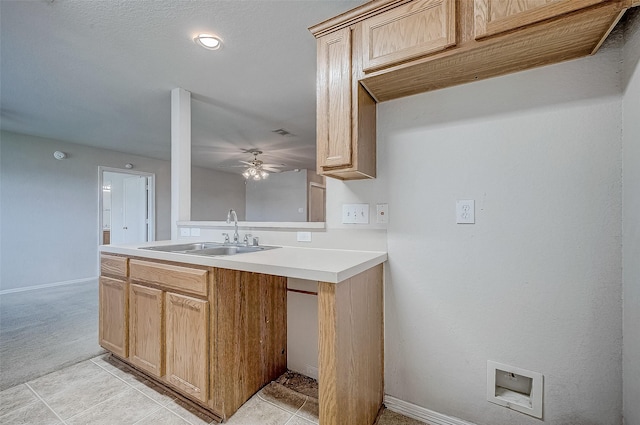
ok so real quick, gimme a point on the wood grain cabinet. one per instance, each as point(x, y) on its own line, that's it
point(146, 329)
point(387, 49)
point(409, 31)
point(346, 113)
point(113, 315)
point(215, 336)
point(187, 345)
point(498, 16)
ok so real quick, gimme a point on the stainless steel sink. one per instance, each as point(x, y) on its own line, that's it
point(209, 248)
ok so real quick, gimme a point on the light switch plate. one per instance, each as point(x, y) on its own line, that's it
point(355, 213)
point(465, 212)
point(195, 231)
point(184, 231)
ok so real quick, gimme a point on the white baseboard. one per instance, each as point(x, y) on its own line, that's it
point(47, 285)
point(420, 413)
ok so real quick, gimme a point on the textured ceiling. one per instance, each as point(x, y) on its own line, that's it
point(100, 73)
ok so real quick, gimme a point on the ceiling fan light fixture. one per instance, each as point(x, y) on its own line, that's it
point(208, 41)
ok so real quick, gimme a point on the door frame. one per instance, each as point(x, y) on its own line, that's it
point(151, 201)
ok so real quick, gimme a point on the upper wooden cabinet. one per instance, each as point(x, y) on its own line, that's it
point(334, 100)
point(346, 112)
point(386, 49)
point(407, 32)
point(498, 16)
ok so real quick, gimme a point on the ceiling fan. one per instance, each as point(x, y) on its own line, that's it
point(257, 169)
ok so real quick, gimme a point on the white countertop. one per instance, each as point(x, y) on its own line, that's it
point(326, 265)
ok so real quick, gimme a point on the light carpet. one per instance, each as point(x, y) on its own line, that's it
point(45, 330)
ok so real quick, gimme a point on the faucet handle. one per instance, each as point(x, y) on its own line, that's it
point(246, 238)
point(226, 237)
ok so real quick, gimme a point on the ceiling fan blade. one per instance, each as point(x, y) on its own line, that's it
point(274, 165)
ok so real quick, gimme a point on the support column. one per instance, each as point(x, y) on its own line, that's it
point(180, 158)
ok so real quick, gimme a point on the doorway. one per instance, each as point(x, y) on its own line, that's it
point(127, 206)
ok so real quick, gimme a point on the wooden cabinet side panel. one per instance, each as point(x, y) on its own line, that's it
point(187, 344)
point(409, 31)
point(113, 316)
point(497, 16)
point(251, 328)
point(146, 329)
point(351, 349)
point(334, 100)
point(171, 276)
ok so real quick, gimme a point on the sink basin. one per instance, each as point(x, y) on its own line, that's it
point(209, 248)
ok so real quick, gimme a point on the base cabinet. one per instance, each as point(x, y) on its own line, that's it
point(146, 329)
point(187, 345)
point(114, 306)
point(215, 336)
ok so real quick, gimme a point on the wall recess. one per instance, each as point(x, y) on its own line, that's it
point(515, 388)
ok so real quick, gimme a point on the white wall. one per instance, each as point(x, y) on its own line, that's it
point(278, 198)
point(536, 282)
point(631, 224)
point(213, 193)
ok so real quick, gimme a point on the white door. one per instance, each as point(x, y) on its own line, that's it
point(134, 209)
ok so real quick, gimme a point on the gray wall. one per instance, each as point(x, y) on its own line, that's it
point(278, 198)
point(213, 193)
point(49, 208)
point(631, 223)
point(536, 282)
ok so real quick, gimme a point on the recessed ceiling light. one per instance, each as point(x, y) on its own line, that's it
point(208, 41)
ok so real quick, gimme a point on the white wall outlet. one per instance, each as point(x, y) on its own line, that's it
point(355, 213)
point(382, 213)
point(195, 231)
point(184, 231)
point(304, 236)
point(465, 212)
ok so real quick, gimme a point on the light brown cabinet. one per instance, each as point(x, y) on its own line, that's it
point(409, 31)
point(499, 16)
point(187, 344)
point(112, 328)
point(346, 113)
point(387, 49)
point(146, 329)
point(215, 336)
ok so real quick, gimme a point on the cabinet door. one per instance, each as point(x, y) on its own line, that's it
point(415, 29)
point(334, 100)
point(146, 333)
point(497, 16)
point(113, 334)
point(187, 344)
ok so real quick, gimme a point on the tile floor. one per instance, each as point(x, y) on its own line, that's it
point(98, 391)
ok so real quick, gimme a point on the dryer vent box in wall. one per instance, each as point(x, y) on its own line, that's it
point(515, 388)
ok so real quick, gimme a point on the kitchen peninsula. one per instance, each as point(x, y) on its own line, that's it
point(213, 328)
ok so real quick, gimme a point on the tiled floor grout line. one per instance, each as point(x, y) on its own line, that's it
point(149, 414)
point(45, 403)
point(164, 406)
point(140, 391)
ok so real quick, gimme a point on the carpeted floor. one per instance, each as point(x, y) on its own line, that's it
point(46, 330)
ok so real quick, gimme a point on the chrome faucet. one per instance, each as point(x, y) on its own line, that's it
point(232, 213)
